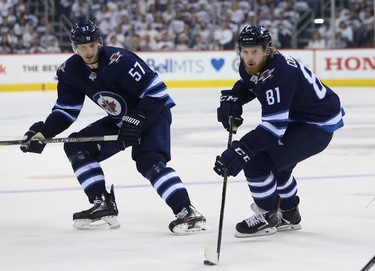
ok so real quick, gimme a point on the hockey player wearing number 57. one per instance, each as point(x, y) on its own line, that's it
point(138, 107)
point(299, 115)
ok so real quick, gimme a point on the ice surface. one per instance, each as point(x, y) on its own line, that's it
point(39, 194)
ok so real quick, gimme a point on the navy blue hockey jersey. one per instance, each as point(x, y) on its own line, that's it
point(123, 81)
point(288, 92)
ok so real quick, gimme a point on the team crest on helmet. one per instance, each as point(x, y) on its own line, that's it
point(115, 58)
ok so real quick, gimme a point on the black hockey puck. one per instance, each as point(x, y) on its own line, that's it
point(207, 262)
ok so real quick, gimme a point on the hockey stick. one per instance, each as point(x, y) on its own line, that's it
point(212, 256)
point(369, 264)
point(64, 140)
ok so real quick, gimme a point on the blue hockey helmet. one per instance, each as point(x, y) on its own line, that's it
point(254, 35)
point(85, 32)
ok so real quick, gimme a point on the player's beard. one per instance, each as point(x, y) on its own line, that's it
point(253, 67)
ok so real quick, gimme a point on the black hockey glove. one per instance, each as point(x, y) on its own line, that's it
point(132, 127)
point(229, 106)
point(233, 158)
point(31, 140)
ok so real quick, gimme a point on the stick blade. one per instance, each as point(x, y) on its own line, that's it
point(212, 258)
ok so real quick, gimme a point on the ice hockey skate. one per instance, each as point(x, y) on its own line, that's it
point(103, 215)
point(189, 221)
point(289, 220)
point(261, 223)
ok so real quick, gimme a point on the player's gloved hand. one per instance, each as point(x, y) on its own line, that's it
point(233, 158)
point(31, 140)
point(229, 106)
point(132, 127)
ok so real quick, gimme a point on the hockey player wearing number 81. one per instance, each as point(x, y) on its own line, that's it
point(299, 116)
point(138, 107)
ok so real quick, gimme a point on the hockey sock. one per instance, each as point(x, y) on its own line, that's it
point(89, 174)
point(171, 189)
point(263, 190)
point(287, 192)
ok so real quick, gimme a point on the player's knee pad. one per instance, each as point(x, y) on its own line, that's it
point(155, 170)
point(79, 157)
point(72, 149)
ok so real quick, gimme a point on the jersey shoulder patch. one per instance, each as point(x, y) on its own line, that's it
point(69, 64)
point(265, 75)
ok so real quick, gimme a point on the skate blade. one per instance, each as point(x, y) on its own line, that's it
point(106, 222)
point(267, 231)
point(185, 228)
point(289, 228)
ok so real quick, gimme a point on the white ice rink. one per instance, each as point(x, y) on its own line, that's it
point(39, 194)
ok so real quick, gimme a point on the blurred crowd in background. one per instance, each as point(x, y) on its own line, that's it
point(146, 25)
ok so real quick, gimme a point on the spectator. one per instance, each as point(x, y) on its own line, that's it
point(340, 43)
point(199, 45)
point(4, 7)
point(94, 7)
point(168, 14)
point(165, 42)
point(103, 13)
point(46, 37)
point(35, 47)
point(80, 10)
point(41, 28)
point(12, 39)
point(113, 41)
point(204, 31)
point(65, 7)
point(12, 18)
point(5, 26)
point(120, 37)
point(20, 27)
point(29, 35)
point(152, 33)
point(6, 47)
point(182, 42)
point(118, 13)
point(316, 41)
point(30, 18)
point(125, 25)
point(177, 24)
point(20, 47)
point(236, 14)
point(224, 36)
point(368, 39)
point(325, 32)
point(346, 33)
point(53, 45)
point(203, 14)
point(106, 26)
point(147, 43)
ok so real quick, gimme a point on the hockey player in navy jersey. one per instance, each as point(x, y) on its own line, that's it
point(299, 115)
point(138, 107)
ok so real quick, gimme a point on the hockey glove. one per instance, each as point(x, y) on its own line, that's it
point(31, 140)
point(229, 106)
point(132, 127)
point(233, 158)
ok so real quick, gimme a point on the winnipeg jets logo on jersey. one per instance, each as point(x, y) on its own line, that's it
point(112, 103)
point(266, 75)
point(115, 58)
